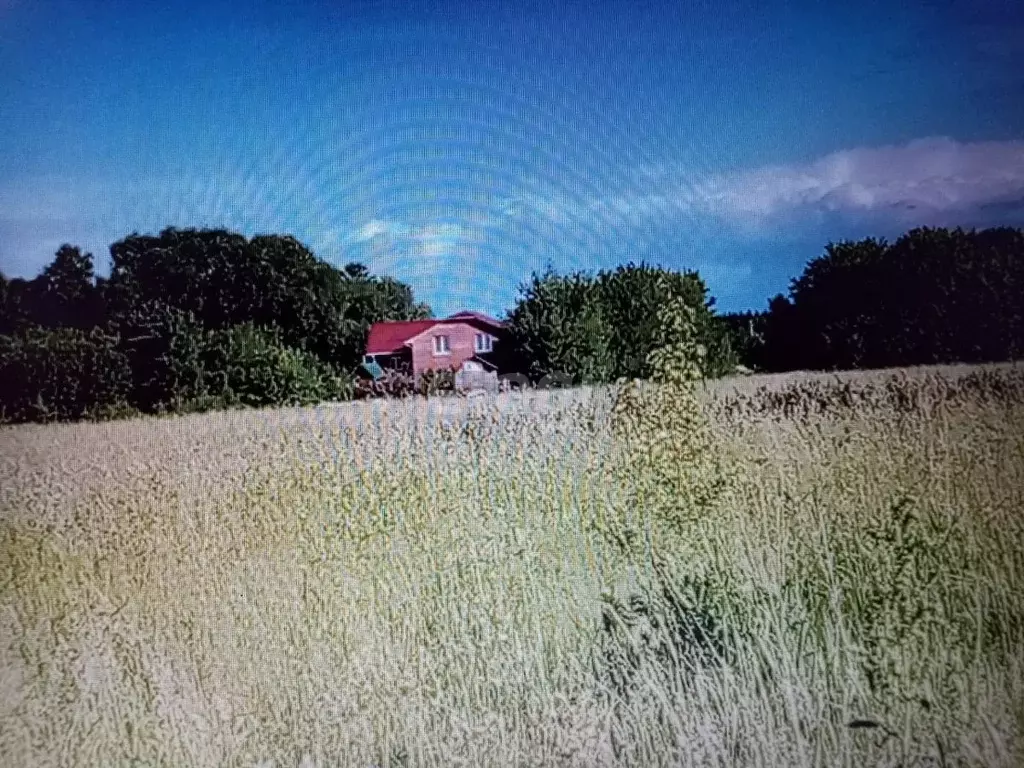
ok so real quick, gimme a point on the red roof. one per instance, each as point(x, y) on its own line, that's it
point(390, 337)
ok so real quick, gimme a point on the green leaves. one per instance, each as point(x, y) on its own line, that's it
point(933, 296)
point(51, 375)
point(602, 328)
point(272, 281)
point(249, 366)
point(195, 319)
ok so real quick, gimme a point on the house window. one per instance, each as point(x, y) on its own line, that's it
point(441, 345)
point(483, 343)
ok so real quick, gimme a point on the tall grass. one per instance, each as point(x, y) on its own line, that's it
point(434, 583)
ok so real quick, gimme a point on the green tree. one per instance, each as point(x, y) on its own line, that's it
point(746, 332)
point(66, 290)
point(249, 366)
point(272, 281)
point(932, 296)
point(558, 327)
point(61, 374)
point(63, 295)
point(163, 346)
point(604, 327)
point(6, 321)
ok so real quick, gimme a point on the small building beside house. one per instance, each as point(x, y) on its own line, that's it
point(464, 342)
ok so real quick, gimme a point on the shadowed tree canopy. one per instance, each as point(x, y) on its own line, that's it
point(188, 320)
point(933, 296)
point(64, 295)
point(273, 281)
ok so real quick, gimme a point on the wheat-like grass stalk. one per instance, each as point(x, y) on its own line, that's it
point(426, 583)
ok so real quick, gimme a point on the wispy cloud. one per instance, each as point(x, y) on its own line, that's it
point(429, 238)
point(373, 229)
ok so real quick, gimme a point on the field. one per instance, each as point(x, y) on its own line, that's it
point(432, 583)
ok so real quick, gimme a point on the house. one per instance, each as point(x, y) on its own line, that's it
point(464, 342)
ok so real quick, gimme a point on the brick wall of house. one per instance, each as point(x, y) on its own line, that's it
point(461, 341)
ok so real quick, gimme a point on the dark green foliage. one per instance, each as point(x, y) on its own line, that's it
point(247, 366)
point(197, 319)
point(933, 296)
point(601, 328)
point(558, 327)
point(272, 281)
point(64, 295)
point(67, 291)
point(400, 382)
point(631, 297)
point(394, 383)
point(746, 334)
point(61, 374)
point(164, 347)
point(435, 382)
point(6, 321)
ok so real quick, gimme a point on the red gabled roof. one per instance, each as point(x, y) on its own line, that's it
point(390, 337)
point(385, 338)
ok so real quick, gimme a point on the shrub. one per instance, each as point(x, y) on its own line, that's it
point(62, 374)
point(394, 383)
point(434, 382)
point(671, 477)
point(163, 346)
point(667, 458)
point(244, 365)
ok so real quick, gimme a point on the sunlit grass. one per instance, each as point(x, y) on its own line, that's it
point(423, 583)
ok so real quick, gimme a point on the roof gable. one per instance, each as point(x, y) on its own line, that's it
point(440, 324)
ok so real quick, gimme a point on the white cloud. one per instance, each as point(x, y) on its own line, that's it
point(427, 235)
point(371, 229)
point(928, 174)
point(428, 240)
point(432, 248)
point(921, 180)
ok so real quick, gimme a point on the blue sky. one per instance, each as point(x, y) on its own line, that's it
point(460, 146)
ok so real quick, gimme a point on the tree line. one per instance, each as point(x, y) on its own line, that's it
point(197, 319)
point(933, 296)
point(187, 320)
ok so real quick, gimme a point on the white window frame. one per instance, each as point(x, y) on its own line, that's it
point(483, 342)
point(442, 345)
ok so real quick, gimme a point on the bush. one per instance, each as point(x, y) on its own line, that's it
point(602, 328)
point(672, 475)
point(394, 383)
point(164, 347)
point(62, 374)
point(244, 365)
point(434, 382)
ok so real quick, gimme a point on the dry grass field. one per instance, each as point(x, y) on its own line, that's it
point(426, 583)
